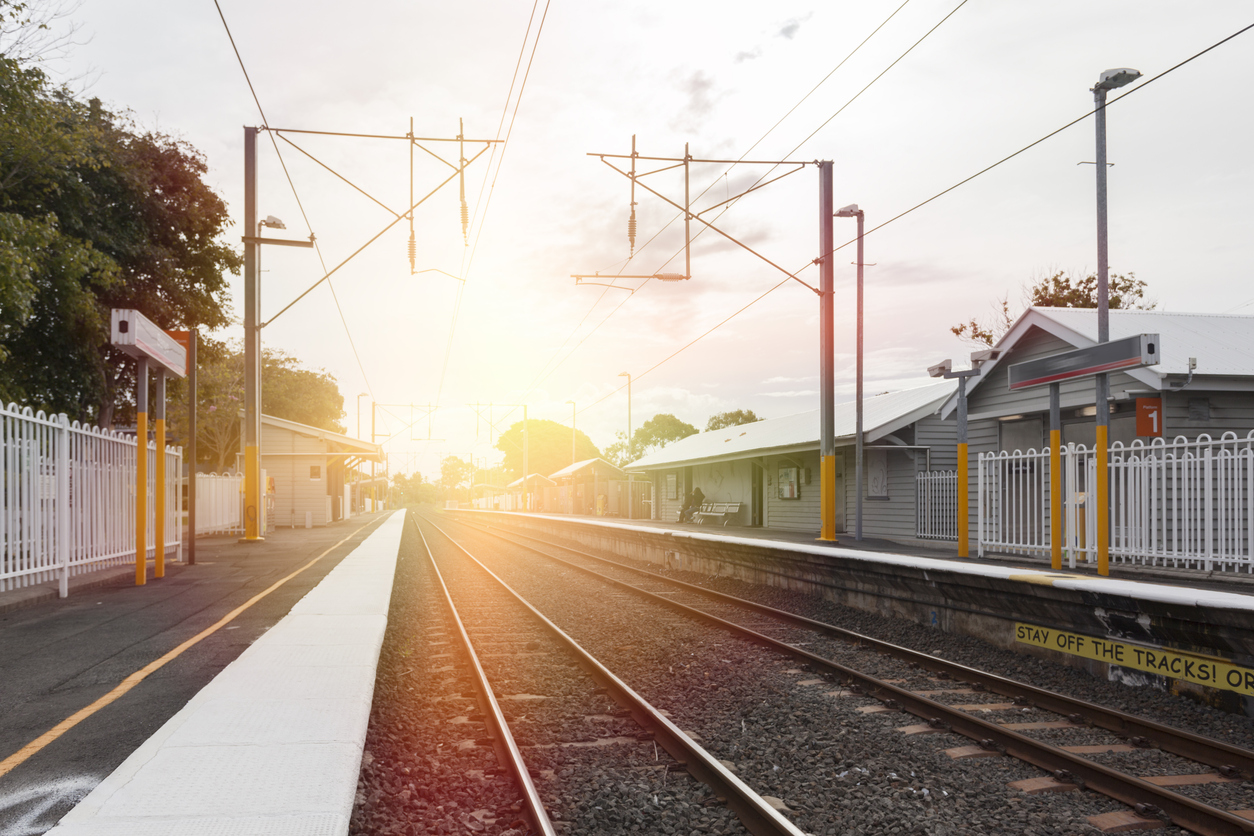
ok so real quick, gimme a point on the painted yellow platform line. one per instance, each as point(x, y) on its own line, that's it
point(38, 744)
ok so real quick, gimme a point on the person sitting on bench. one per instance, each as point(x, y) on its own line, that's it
point(691, 505)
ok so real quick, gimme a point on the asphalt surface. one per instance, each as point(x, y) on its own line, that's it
point(58, 657)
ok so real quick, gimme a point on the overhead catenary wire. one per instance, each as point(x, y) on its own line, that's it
point(920, 205)
point(544, 375)
point(261, 111)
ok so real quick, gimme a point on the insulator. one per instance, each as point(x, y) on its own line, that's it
point(670, 277)
point(465, 218)
point(413, 251)
point(631, 230)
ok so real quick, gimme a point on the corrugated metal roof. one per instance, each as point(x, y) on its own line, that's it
point(1220, 342)
point(572, 469)
point(881, 415)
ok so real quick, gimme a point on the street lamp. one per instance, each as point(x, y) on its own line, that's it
point(852, 211)
point(628, 376)
point(1109, 80)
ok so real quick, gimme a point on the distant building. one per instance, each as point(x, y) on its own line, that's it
point(313, 473)
point(771, 467)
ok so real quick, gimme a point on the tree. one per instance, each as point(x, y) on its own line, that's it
point(453, 475)
point(1060, 290)
point(548, 447)
point(731, 419)
point(659, 431)
point(287, 391)
point(94, 215)
point(414, 490)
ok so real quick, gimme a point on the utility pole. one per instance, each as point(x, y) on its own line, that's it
point(252, 349)
point(827, 360)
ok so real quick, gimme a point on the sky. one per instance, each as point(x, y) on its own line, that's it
point(941, 90)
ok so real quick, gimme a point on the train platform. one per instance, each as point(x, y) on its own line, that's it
point(1186, 631)
point(229, 696)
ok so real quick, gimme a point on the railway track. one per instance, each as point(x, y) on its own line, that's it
point(1161, 774)
point(567, 732)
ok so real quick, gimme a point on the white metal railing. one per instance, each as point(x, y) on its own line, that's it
point(67, 498)
point(936, 505)
point(1181, 503)
point(219, 503)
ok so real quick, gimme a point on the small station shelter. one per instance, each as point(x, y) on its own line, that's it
point(311, 472)
point(771, 467)
point(579, 487)
point(514, 497)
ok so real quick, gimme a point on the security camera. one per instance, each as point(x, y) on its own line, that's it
point(941, 369)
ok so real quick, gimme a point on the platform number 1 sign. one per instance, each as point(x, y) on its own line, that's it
point(1149, 417)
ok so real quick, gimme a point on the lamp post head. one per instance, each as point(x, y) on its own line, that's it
point(850, 211)
point(625, 374)
point(273, 222)
point(1116, 78)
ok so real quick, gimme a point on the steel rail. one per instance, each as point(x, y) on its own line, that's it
point(503, 740)
point(1146, 798)
point(1195, 747)
point(759, 817)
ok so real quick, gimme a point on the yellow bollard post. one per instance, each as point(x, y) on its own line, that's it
point(964, 548)
point(1103, 502)
point(141, 472)
point(159, 495)
point(827, 497)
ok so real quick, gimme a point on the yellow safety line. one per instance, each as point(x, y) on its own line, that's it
point(38, 744)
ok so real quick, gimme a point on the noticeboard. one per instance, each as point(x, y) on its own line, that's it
point(138, 336)
point(1127, 353)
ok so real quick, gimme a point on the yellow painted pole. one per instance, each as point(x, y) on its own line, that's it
point(252, 484)
point(827, 496)
point(964, 549)
point(141, 471)
point(141, 498)
point(1055, 499)
point(1103, 503)
point(159, 503)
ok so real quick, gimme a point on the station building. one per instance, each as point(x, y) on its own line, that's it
point(1202, 388)
point(313, 473)
point(771, 468)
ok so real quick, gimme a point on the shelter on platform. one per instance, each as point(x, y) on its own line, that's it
point(309, 472)
point(583, 487)
point(532, 499)
point(771, 467)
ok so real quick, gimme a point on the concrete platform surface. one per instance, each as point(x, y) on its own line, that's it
point(86, 680)
point(273, 744)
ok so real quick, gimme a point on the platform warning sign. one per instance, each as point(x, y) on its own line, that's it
point(1202, 670)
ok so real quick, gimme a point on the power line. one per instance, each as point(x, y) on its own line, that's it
point(483, 219)
point(295, 194)
point(929, 200)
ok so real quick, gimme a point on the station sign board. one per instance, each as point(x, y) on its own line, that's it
point(1128, 353)
point(138, 336)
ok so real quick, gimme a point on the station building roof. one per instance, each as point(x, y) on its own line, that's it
point(531, 480)
point(337, 444)
point(1220, 342)
point(587, 467)
point(881, 415)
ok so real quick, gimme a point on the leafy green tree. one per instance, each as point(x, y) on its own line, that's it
point(548, 447)
point(453, 475)
point(731, 419)
point(1060, 290)
point(94, 215)
point(414, 490)
point(661, 430)
point(287, 391)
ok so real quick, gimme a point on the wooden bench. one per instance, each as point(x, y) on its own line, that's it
point(725, 511)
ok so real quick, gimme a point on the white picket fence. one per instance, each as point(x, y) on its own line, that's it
point(219, 503)
point(67, 498)
point(936, 505)
point(1187, 504)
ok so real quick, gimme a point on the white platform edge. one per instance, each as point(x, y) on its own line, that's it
point(143, 795)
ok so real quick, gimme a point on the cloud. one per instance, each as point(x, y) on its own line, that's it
point(747, 55)
point(791, 26)
point(795, 393)
point(701, 98)
point(788, 379)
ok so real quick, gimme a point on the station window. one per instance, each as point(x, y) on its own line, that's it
point(315, 472)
